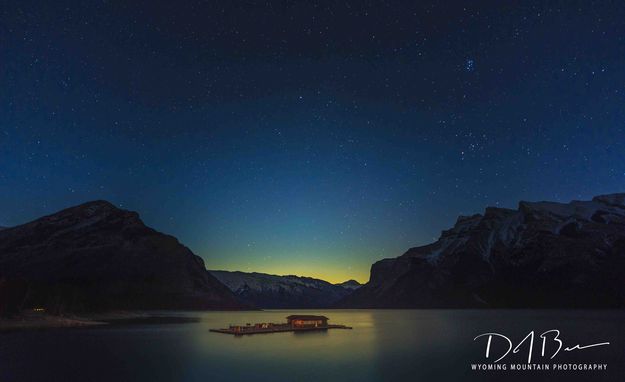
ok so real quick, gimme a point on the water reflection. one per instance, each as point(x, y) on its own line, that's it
point(384, 345)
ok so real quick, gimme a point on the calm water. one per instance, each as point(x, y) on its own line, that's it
point(387, 345)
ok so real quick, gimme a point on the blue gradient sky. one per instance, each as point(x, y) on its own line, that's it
point(308, 138)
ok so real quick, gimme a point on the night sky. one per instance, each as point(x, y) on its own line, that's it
point(308, 138)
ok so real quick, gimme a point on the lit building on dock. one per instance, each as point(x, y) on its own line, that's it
point(295, 323)
point(298, 321)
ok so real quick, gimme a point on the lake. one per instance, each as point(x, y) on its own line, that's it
point(384, 345)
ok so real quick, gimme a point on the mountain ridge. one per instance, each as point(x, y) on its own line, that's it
point(95, 256)
point(350, 284)
point(543, 254)
point(264, 290)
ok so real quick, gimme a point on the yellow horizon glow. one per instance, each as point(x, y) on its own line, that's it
point(332, 276)
point(331, 265)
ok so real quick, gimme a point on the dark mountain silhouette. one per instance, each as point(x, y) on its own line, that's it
point(542, 254)
point(95, 257)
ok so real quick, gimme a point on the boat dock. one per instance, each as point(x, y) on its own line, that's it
point(295, 323)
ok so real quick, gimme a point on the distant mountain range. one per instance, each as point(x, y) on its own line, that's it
point(271, 291)
point(541, 255)
point(98, 257)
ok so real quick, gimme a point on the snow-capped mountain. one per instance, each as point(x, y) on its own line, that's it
point(95, 257)
point(543, 254)
point(350, 284)
point(272, 291)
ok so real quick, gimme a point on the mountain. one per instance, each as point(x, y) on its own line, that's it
point(94, 257)
point(542, 254)
point(271, 291)
point(349, 284)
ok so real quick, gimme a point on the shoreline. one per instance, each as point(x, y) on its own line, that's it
point(42, 321)
point(49, 321)
point(45, 322)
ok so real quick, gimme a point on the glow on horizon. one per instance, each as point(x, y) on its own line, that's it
point(331, 273)
point(320, 275)
point(326, 260)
